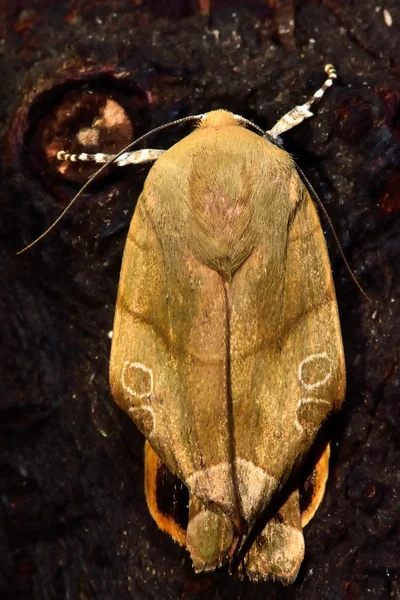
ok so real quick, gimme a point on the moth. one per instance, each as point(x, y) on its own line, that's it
point(226, 348)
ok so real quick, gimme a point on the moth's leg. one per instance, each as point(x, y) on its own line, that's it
point(314, 486)
point(278, 551)
point(127, 158)
point(209, 537)
point(302, 111)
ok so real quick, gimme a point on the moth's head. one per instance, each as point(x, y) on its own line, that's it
point(220, 118)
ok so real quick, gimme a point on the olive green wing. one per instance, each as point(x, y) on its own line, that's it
point(169, 355)
point(288, 372)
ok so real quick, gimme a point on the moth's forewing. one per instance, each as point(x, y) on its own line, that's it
point(226, 348)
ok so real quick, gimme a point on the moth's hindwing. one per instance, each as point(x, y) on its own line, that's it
point(166, 496)
point(226, 348)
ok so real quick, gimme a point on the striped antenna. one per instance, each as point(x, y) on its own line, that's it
point(302, 111)
point(113, 158)
point(126, 156)
point(121, 160)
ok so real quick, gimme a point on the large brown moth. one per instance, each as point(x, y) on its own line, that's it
point(226, 348)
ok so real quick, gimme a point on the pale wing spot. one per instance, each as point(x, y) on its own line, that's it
point(138, 381)
point(255, 487)
point(144, 418)
point(315, 365)
point(302, 419)
point(139, 375)
point(215, 484)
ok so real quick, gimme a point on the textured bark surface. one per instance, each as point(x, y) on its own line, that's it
point(74, 523)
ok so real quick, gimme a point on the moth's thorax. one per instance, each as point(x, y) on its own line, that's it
point(223, 170)
point(221, 213)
